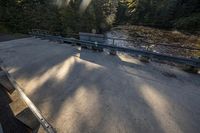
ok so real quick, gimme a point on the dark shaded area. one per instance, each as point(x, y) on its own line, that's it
point(67, 87)
point(7, 37)
point(111, 99)
point(179, 14)
point(57, 98)
point(7, 119)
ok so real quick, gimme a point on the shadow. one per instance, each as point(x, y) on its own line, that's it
point(85, 102)
point(8, 37)
point(90, 97)
point(116, 62)
point(7, 119)
point(54, 59)
point(85, 91)
point(174, 103)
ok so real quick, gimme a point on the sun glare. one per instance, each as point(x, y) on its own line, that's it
point(84, 5)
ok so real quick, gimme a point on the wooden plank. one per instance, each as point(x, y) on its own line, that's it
point(4, 81)
point(27, 117)
point(8, 120)
point(17, 105)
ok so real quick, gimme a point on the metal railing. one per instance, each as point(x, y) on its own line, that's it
point(194, 62)
point(47, 126)
point(113, 39)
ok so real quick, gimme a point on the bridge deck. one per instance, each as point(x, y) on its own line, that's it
point(79, 90)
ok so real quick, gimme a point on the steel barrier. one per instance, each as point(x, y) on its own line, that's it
point(194, 62)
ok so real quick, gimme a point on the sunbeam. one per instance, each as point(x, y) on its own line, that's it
point(84, 5)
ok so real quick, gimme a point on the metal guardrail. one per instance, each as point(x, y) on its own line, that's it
point(194, 62)
point(114, 39)
point(48, 128)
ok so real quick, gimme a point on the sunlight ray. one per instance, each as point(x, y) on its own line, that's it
point(84, 5)
point(161, 108)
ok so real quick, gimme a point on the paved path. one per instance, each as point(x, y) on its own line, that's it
point(84, 91)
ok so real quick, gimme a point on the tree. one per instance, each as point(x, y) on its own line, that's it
point(105, 13)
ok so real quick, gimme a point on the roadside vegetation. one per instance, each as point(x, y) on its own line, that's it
point(85, 15)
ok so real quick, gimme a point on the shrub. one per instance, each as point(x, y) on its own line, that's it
point(190, 23)
point(3, 29)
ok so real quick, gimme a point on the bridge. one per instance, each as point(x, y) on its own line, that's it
point(71, 89)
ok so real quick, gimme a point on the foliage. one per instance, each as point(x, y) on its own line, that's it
point(190, 23)
point(68, 16)
point(105, 11)
point(162, 13)
point(3, 29)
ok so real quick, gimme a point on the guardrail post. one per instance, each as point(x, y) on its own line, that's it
point(190, 69)
point(144, 59)
point(113, 42)
point(96, 48)
point(60, 40)
point(73, 43)
point(113, 52)
point(100, 49)
point(84, 46)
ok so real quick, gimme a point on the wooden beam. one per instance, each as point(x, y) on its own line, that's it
point(4, 81)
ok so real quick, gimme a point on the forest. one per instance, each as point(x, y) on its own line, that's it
point(72, 16)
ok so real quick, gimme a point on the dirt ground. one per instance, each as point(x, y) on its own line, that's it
point(81, 91)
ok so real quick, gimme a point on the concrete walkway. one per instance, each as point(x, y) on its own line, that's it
point(81, 91)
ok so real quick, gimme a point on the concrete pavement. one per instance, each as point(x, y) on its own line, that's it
point(80, 90)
